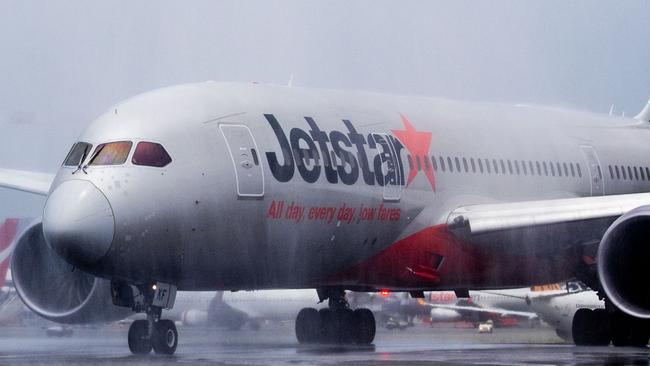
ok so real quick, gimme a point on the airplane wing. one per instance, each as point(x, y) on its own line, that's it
point(32, 182)
point(502, 312)
point(542, 225)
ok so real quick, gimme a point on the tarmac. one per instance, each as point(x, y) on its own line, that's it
point(275, 344)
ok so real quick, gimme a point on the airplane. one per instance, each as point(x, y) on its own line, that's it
point(234, 309)
point(238, 186)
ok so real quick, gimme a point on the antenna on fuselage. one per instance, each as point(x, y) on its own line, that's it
point(644, 116)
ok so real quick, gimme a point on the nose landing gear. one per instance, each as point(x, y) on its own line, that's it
point(154, 333)
point(336, 324)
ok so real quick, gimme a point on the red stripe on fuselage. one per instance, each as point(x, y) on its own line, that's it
point(426, 259)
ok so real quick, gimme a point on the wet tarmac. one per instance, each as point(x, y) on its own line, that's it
point(276, 345)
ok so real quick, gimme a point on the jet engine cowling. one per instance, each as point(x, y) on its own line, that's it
point(54, 289)
point(624, 262)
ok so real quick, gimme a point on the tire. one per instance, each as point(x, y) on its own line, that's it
point(365, 326)
point(628, 331)
point(599, 328)
point(164, 338)
point(343, 326)
point(308, 325)
point(139, 342)
point(327, 331)
point(579, 327)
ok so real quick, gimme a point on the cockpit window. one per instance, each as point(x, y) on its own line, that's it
point(112, 153)
point(150, 154)
point(77, 154)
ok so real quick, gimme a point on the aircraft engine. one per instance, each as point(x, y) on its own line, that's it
point(54, 289)
point(194, 317)
point(624, 262)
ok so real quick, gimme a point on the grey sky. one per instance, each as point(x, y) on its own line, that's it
point(64, 62)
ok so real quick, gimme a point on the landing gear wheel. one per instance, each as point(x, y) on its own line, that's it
point(164, 337)
point(139, 342)
point(343, 326)
point(580, 325)
point(600, 328)
point(308, 325)
point(628, 331)
point(364, 332)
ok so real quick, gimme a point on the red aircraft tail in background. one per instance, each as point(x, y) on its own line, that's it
point(8, 231)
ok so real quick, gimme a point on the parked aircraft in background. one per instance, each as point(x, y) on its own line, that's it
point(223, 186)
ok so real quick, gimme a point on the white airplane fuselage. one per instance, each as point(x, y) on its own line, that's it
point(277, 187)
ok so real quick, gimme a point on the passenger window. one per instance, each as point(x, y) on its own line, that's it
point(641, 173)
point(539, 170)
point(457, 164)
point(559, 169)
point(573, 171)
point(647, 173)
point(433, 162)
point(510, 167)
point(636, 174)
point(503, 166)
point(450, 164)
point(417, 160)
point(153, 154)
point(611, 172)
point(112, 153)
point(487, 166)
point(427, 167)
point(496, 167)
point(77, 154)
point(629, 171)
point(523, 164)
point(442, 164)
point(624, 173)
point(465, 165)
point(579, 170)
point(566, 170)
point(530, 166)
point(545, 169)
point(480, 165)
point(471, 160)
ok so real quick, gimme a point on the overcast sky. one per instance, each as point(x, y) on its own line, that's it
point(62, 63)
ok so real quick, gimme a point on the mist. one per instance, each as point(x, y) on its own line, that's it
point(63, 63)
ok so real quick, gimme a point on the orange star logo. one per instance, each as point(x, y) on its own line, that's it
point(417, 143)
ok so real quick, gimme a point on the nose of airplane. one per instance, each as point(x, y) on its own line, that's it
point(78, 222)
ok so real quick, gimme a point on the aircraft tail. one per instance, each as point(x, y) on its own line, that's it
point(644, 116)
point(8, 232)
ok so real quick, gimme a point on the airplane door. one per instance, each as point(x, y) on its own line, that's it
point(595, 171)
point(246, 160)
point(389, 167)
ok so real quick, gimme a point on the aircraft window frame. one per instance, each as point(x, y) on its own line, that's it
point(480, 165)
point(495, 165)
point(163, 158)
point(552, 168)
point(573, 171)
point(471, 161)
point(624, 173)
point(559, 168)
point(531, 167)
point(636, 174)
point(611, 172)
point(457, 164)
point(442, 164)
point(579, 170)
point(116, 162)
point(618, 173)
point(517, 170)
point(510, 171)
point(539, 168)
point(629, 170)
point(503, 167)
point(450, 164)
point(88, 148)
point(487, 166)
point(465, 165)
point(433, 163)
point(524, 167)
